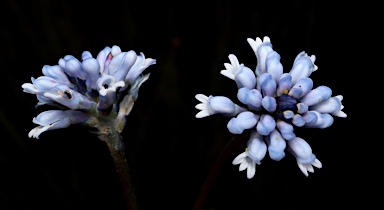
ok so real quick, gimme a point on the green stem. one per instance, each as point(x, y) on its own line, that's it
point(112, 140)
point(216, 168)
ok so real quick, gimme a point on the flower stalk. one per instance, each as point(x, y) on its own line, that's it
point(226, 153)
point(112, 139)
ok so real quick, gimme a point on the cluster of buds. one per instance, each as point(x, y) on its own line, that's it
point(273, 104)
point(95, 91)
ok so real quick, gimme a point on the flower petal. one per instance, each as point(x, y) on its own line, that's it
point(245, 120)
point(317, 95)
point(240, 158)
point(265, 125)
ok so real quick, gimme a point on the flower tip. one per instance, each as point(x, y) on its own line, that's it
point(317, 163)
point(266, 39)
point(303, 169)
point(202, 113)
point(315, 67)
point(340, 97)
point(341, 114)
point(201, 97)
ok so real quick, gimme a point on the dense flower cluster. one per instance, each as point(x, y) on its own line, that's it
point(273, 104)
point(90, 87)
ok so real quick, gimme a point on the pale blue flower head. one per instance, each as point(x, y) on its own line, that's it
point(274, 104)
point(88, 87)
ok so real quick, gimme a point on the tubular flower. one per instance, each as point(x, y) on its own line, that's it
point(274, 103)
point(88, 90)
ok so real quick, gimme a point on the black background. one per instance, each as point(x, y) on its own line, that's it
point(169, 151)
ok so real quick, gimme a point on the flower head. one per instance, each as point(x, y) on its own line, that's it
point(88, 90)
point(274, 103)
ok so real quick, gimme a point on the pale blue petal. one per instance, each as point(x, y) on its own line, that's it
point(284, 84)
point(286, 130)
point(303, 66)
point(273, 65)
point(288, 114)
point(256, 147)
point(317, 95)
point(64, 60)
point(86, 55)
point(250, 97)
point(302, 87)
point(265, 125)
point(223, 105)
point(42, 100)
point(310, 117)
point(62, 94)
point(92, 67)
point(298, 120)
point(245, 120)
point(102, 57)
point(269, 103)
point(323, 121)
point(244, 77)
point(302, 108)
point(56, 119)
point(301, 150)
point(331, 105)
point(261, 53)
point(115, 50)
point(267, 85)
point(121, 64)
point(49, 117)
point(138, 67)
point(276, 145)
point(40, 85)
point(57, 73)
point(74, 69)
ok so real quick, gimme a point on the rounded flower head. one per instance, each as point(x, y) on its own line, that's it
point(274, 105)
point(88, 87)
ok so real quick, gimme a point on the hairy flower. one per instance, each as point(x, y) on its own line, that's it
point(274, 103)
point(88, 90)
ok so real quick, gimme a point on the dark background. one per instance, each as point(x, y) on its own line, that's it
point(169, 151)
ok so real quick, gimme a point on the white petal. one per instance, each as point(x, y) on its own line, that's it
point(202, 98)
point(244, 165)
point(33, 131)
point(228, 74)
point(234, 61)
point(302, 168)
point(254, 43)
point(229, 67)
point(266, 39)
point(317, 163)
point(239, 158)
point(202, 113)
point(201, 106)
point(251, 169)
point(309, 168)
point(340, 97)
point(340, 114)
